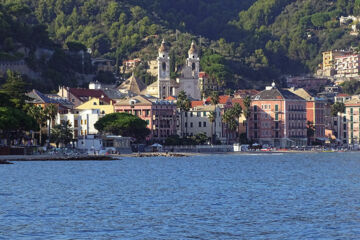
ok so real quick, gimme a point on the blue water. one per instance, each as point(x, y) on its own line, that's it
point(292, 196)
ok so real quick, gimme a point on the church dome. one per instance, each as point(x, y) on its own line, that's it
point(163, 47)
point(192, 49)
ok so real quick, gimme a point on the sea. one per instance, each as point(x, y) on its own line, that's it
point(230, 196)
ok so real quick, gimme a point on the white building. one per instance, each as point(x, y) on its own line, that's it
point(188, 81)
point(197, 121)
point(82, 121)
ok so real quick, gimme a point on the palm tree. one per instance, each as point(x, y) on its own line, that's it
point(231, 119)
point(51, 110)
point(247, 112)
point(184, 104)
point(212, 117)
point(38, 113)
point(214, 100)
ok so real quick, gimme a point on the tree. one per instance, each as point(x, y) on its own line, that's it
point(184, 104)
point(212, 118)
point(61, 133)
point(50, 111)
point(337, 108)
point(123, 124)
point(14, 121)
point(231, 119)
point(38, 113)
point(14, 89)
point(247, 112)
point(214, 100)
point(310, 131)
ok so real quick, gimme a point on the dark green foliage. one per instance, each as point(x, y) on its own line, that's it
point(61, 133)
point(14, 89)
point(351, 87)
point(123, 124)
point(240, 48)
point(337, 108)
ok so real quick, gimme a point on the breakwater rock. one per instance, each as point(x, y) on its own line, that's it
point(65, 158)
point(160, 154)
point(5, 162)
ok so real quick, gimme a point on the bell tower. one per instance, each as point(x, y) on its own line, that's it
point(163, 71)
point(193, 60)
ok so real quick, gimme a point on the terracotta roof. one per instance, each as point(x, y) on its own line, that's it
point(171, 98)
point(203, 74)
point(342, 95)
point(133, 84)
point(84, 94)
point(223, 99)
point(246, 92)
point(239, 101)
point(196, 103)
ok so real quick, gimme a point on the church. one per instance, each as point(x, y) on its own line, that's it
point(188, 80)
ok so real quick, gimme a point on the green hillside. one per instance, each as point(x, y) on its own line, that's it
point(243, 43)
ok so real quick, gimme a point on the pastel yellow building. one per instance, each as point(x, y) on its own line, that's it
point(103, 105)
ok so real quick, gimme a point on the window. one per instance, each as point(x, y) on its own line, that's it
point(81, 123)
point(164, 66)
point(276, 125)
point(204, 114)
point(204, 124)
point(276, 108)
point(198, 114)
point(191, 114)
point(255, 108)
point(191, 125)
point(147, 122)
point(186, 124)
point(199, 124)
point(94, 103)
point(276, 116)
point(85, 122)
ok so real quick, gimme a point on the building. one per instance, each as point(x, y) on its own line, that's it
point(342, 97)
point(160, 115)
point(328, 64)
point(308, 83)
point(207, 84)
point(82, 121)
point(315, 114)
point(130, 65)
point(97, 103)
point(39, 99)
point(78, 96)
point(352, 113)
point(102, 64)
point(278, 118)
point(188, 80)
point(196, 121)
point(132, 86)
point(347, 65)
point(243, 93)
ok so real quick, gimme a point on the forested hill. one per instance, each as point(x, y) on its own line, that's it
point(245, 42)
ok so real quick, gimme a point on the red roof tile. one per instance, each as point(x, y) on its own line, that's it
point(342, 95)
point(239, 101)
point(196, 103)
point(85, 94)
point(203, 74)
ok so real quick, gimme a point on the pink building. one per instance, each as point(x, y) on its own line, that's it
point(160, 115)
point(278, 118)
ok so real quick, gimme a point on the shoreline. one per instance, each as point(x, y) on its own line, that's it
point(8, 159)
